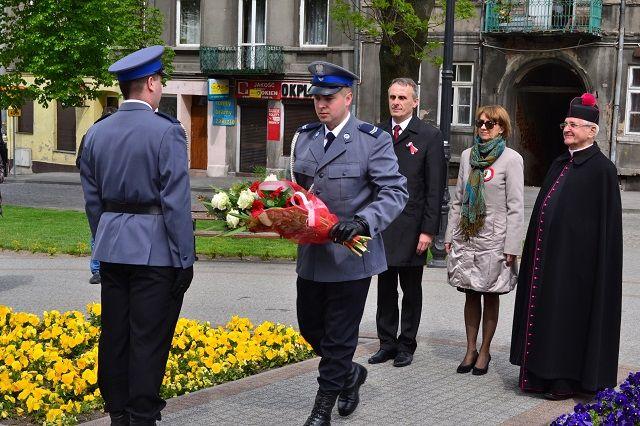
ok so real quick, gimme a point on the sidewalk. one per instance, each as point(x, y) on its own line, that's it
point(427, 392)
point(199, 183)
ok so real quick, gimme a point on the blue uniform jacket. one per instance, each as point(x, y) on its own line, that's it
point(358, 175)
point(136, 156)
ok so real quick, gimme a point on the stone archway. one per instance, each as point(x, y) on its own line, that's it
point(537, 99)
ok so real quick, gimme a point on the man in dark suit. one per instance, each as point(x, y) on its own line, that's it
point(420, 152)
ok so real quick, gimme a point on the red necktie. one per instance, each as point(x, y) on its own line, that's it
point(396, 132)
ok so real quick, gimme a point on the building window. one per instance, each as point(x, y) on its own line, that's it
point(462, 99)
point(633, 101)
point(66, 129)
point(188, 22)
point(25, 121)
point(112, 102)
point(314, 22)
point(252, 33)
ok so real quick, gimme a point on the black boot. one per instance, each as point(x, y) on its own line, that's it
point(321, 412)
point(119, 418)
point(350, 396)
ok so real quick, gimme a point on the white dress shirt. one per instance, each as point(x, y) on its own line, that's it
point(336, 131)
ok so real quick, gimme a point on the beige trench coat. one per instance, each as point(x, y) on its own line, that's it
point(479, 263)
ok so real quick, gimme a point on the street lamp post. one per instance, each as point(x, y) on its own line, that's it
point(438, 252)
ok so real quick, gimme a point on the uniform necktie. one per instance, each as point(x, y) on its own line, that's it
point(330, 137)
point(396, 132)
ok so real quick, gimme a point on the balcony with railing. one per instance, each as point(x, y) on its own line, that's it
point(543, 17)
point(255, 59)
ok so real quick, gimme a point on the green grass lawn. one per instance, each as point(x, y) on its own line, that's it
point(64, 231)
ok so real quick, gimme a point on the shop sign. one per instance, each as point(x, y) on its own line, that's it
point(224, 112)
point(14, 112)
point(273, 123)
point(258, 89)
point(218, 88)
point(295, 90)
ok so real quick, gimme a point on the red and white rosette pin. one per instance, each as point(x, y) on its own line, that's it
point(489, 173)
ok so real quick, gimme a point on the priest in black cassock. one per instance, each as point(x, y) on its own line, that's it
point(566, 325)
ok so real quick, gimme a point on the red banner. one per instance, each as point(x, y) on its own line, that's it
point(273, 124)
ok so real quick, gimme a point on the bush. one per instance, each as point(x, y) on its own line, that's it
point(48, 365)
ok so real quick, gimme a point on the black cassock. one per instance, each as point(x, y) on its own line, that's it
point(566, 325)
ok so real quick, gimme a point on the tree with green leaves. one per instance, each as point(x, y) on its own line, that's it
point(66, 46)
point(402, 27)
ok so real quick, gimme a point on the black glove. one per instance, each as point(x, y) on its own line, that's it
point(182, 282)
point(345, 230)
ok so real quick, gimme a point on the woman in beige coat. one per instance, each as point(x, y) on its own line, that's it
point(484, 234)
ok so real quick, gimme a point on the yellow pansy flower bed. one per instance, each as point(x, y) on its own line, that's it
point(49, 364)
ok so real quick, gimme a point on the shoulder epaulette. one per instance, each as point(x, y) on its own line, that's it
point(168, 117)
point(103, 117)
point(309, 127)
point(370, 129)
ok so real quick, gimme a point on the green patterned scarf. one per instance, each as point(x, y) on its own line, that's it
point(474, 209)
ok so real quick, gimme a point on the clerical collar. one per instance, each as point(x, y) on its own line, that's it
point(336, 131)
point(402, 125)
point(137, 101)
point(572, 151)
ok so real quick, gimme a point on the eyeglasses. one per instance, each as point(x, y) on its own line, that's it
point(488, 124)
point(574, 125)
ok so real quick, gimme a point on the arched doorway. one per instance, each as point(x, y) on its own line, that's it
point(542, 98)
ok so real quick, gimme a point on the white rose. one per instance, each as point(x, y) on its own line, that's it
point(246, 198)
point(233, 221)
point(271, 178)
point(220, 201)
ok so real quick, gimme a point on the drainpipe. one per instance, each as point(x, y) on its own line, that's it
point(356, 65)
point(618, 88)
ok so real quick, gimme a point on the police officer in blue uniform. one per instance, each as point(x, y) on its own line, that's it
point(352, 167)
point(135, 179)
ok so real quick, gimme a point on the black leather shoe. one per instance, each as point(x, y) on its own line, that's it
point(381, 356)
point(119, 418)
point(403, 359)
point(321, 412)
point(558, 396)
point(465, 368)
point(137, 421)
point(481, 371)
point(350, 397)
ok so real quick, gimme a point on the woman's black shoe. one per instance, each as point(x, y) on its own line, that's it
point(465, 368)
point(481, 371)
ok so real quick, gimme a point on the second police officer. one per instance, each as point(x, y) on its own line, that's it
point(352, 167)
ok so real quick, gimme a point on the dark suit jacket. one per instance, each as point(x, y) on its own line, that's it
point(425, 173)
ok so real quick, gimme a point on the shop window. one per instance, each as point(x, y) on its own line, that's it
point(25, 121)
point(169, 105)
point(188, 22)
point(462, 99)
point(296, 113)
point(633, 101)
point(66, 129)
point(314, 22)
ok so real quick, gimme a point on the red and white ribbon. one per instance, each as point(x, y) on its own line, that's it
point(308, 206)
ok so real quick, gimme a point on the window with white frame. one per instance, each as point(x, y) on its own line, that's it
point(314, 22)
point(462, 98)
point(252, 33)
point(188, 22)
point(633, 101)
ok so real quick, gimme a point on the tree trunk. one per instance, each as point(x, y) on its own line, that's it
point(392, 66)
point(405, 61)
